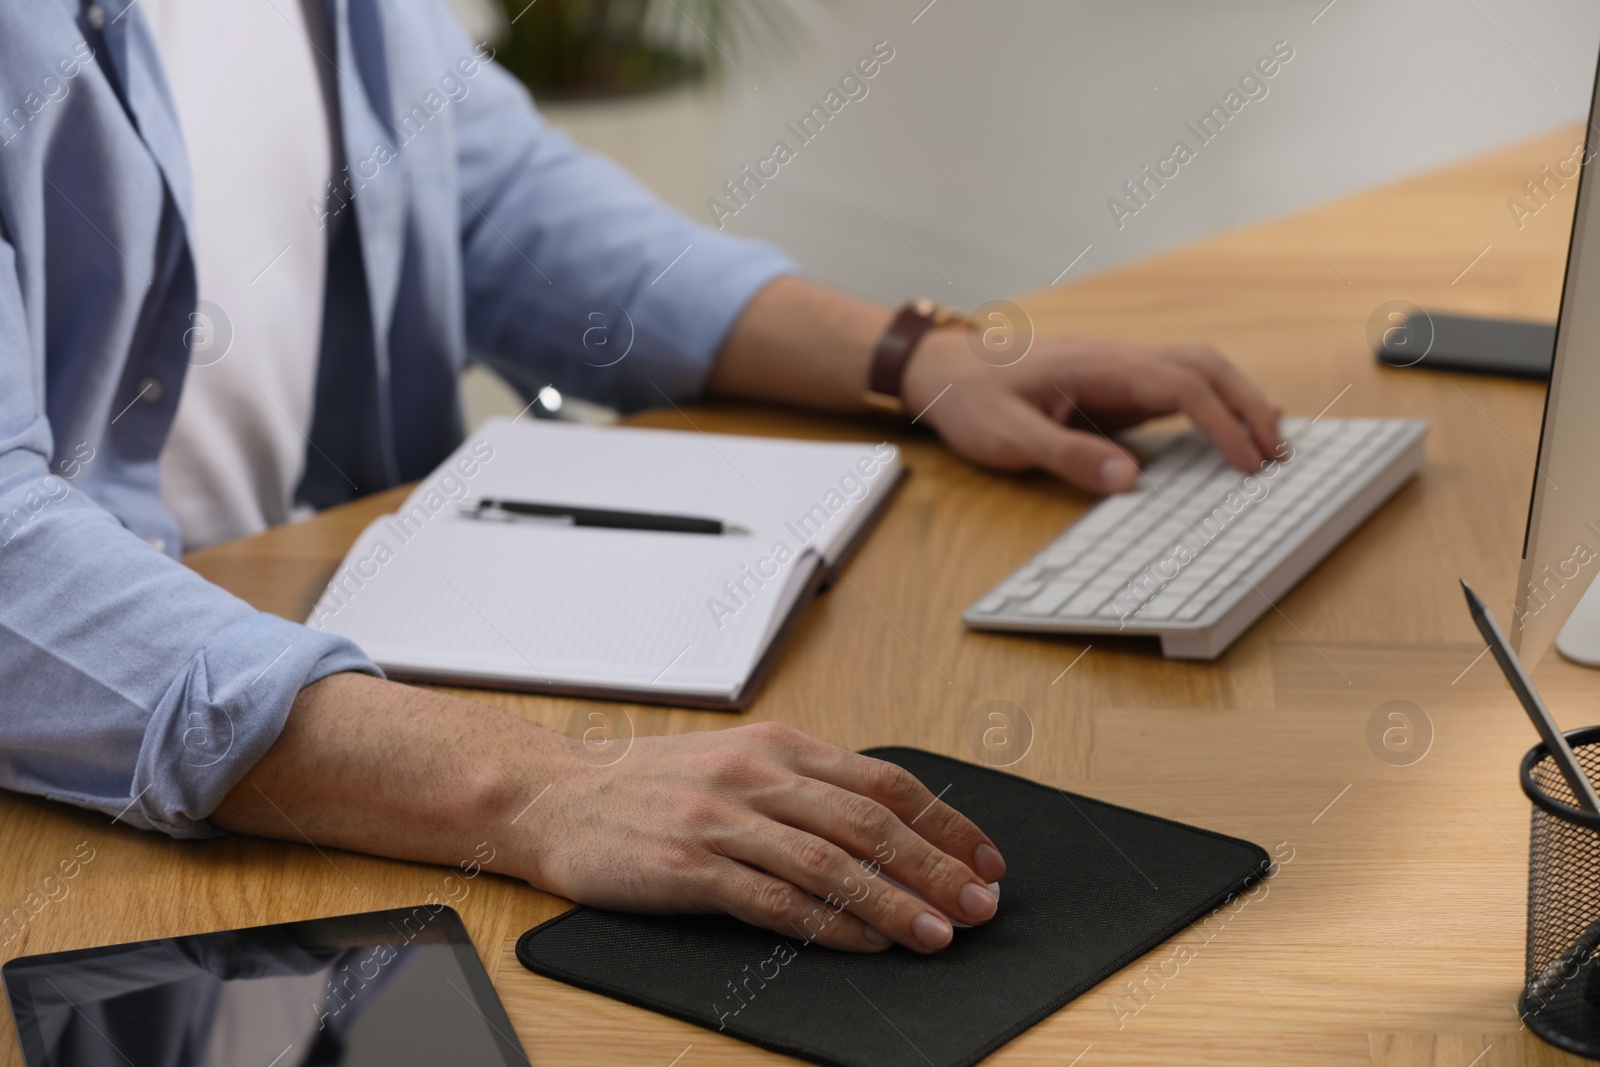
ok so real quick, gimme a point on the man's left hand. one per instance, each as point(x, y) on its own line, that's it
point(1055, 407)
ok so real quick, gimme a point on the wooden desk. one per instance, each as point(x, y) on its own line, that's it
point(1394, 936)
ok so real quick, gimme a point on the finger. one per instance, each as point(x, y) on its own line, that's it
point(1084, 459)
point(839, 884)
point(913, 804)
point(1194, 395)
point(760, 899)
point(867, 830)
point(891, 786)
point(1240, 394)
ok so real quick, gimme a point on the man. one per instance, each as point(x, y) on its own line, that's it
point(349, 193)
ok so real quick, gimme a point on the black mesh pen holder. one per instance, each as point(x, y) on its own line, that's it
point(1561, 998)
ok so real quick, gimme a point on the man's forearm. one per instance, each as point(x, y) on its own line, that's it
point(759, 821)
point(798, 342)
point(374, 766)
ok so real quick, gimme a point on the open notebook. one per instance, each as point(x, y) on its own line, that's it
point(431, 594)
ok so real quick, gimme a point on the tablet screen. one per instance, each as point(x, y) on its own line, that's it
point(383, 988)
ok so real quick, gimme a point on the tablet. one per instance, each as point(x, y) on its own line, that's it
point(386, 987)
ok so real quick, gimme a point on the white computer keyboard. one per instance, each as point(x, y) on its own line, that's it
point(1200, 551)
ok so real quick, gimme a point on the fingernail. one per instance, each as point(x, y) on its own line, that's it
point(977, 902)
point(989, 864)
point(1118, 473)
point(931, 930)
point(876, 937)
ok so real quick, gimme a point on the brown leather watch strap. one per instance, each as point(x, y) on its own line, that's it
point(894, 350)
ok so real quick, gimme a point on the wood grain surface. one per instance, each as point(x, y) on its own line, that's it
point(1392, 936)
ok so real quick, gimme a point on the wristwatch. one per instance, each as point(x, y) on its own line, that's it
point(886, 376)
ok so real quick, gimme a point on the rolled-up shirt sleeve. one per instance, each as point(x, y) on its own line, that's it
point(128, 684)
point(577, 275)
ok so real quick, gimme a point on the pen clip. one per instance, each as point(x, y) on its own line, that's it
point(487, 511)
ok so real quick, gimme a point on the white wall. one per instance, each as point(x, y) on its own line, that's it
point(994, 138)
point(996, 135)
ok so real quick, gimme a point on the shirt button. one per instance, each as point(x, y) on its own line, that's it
point(150, 390)
point(157, 543)
point(96, 16)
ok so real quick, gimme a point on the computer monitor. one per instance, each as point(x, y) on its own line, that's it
point(1561, 548)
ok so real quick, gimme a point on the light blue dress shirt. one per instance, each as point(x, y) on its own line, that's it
point(128, 684)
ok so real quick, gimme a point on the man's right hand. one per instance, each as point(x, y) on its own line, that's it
point(761, 822)
point(766, 823)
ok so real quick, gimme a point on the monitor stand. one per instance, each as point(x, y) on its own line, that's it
point(1579, 639)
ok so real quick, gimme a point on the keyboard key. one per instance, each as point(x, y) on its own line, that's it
point(1163, 606)
point(1084, 604)
point(1049, 599)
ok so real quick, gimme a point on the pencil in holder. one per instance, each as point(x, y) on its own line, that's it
point(1561, 996)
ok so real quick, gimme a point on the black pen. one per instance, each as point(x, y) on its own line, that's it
point(574, 515)
point(1522, 685)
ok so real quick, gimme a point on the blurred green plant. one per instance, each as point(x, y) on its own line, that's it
point(585, 49)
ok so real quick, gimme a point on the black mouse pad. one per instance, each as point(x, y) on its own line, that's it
point(1089, 888)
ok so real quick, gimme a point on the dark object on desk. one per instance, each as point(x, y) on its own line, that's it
point(395, 987)
point(1089, 888)
point(599, 517)
point(1561, 997)
point(1436, 341)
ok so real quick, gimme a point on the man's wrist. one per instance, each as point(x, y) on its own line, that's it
point(934, 366)
point(897, 347)
point(515, 796)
